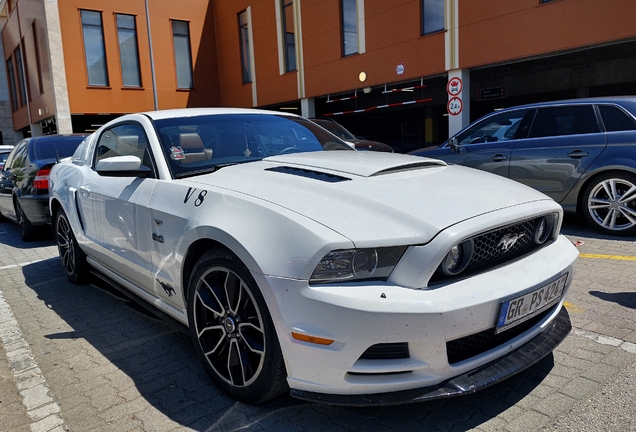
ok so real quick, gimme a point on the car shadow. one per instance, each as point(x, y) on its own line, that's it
point(10, 235)
point(161, 362)
point(577, 226)
point(625, 299)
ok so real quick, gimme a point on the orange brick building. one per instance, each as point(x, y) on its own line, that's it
point(380, 68)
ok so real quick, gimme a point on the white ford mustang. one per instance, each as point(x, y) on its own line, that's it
point(347, 277)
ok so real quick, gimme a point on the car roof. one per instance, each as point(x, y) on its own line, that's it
point(192, 112)
point(596, 100)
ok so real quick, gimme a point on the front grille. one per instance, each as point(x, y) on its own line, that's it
point(469, 346)
point(387, 351)
point(496, 247)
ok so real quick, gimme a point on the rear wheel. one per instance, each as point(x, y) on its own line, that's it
point(72, 257)
point(609, 203)
point(28, 231)
point(232, 330)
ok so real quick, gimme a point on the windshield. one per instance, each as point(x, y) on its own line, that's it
point(203, 143)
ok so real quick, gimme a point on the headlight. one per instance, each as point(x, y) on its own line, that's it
point(357, 264)
point(457, 258)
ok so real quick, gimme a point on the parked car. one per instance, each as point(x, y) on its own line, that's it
point(348, 277)
point(4, 153)
point(359, 143)
point(24, 180)
point(580, 152)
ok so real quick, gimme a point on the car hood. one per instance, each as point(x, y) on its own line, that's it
point(386, 198)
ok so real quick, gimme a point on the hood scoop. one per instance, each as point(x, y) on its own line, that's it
point(414, 166)
point(307, 173)
point(350, 164)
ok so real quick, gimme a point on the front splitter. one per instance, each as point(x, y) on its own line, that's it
point(470, 382)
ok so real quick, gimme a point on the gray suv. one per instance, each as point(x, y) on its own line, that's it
point(580, 152)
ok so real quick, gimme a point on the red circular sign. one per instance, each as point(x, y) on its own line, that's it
point(400, 68)
point(454, 86)
point(454, 106)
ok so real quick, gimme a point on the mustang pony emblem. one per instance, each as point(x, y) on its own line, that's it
point(509, 241)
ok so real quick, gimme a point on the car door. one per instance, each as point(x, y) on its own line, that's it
point(562, 143)
point(487, 144)
point(12, 173)
point(114, 209)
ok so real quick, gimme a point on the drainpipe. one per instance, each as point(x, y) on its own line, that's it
point(152, 59)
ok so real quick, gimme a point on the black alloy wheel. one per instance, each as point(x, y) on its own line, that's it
point(72, 257)
point(232, 330)
point(28, 232)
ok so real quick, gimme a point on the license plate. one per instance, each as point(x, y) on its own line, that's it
point(517, 310)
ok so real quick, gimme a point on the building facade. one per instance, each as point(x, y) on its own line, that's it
point(406, 72)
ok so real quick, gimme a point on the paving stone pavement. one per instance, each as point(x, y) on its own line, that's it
point(84, 358)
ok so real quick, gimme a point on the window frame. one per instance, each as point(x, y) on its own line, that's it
point(187, 37)
point(38, 61)
point(289, 63)
point(132, 58)
point(244, 45)
point(343, 27)
point(428, 4)
point(103, 48)
point(15, 104)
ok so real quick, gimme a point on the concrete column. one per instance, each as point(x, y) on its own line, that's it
point(458, 89)
point(58, 72)
point(308, 107)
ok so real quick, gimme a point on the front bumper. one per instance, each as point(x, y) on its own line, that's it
point(466, 383)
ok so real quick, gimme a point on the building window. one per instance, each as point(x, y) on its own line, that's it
point(38, 63)
point(182, 56)
point(128, 51)
point(432, 16)
point(349, 13)
point(12, 87)
point(94, 48)
point(245, 47)
point(19, 65)
point(289, 42)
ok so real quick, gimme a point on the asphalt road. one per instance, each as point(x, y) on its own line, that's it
point(84, 358)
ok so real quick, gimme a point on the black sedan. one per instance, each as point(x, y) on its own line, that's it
point(24, 180)
point(580, 152)
point(360, 143)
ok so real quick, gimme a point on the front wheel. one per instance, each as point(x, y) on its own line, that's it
point(232, 330)
point(72, 256)
point(609, 203)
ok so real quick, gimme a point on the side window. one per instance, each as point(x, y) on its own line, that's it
point(18, 159)
point(566, 120)
point(615, 119)
point(124, 140)
point(501, 127)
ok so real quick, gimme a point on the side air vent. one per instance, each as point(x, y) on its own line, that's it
point(316, 175)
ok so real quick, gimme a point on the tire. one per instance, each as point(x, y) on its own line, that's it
point(28, 231)
point(232, 330)
point(609, 203)
point(72, 257)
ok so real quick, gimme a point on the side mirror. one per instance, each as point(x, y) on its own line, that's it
point(452, 143)
point(122, 166)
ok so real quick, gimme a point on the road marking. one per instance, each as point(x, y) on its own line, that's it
point(572, 307)
point(610, 257)
point(31, 384)
point(606, 340)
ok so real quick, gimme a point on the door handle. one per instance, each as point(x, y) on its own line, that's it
point(85, 191)
point(577, 154)
point(498, 157)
